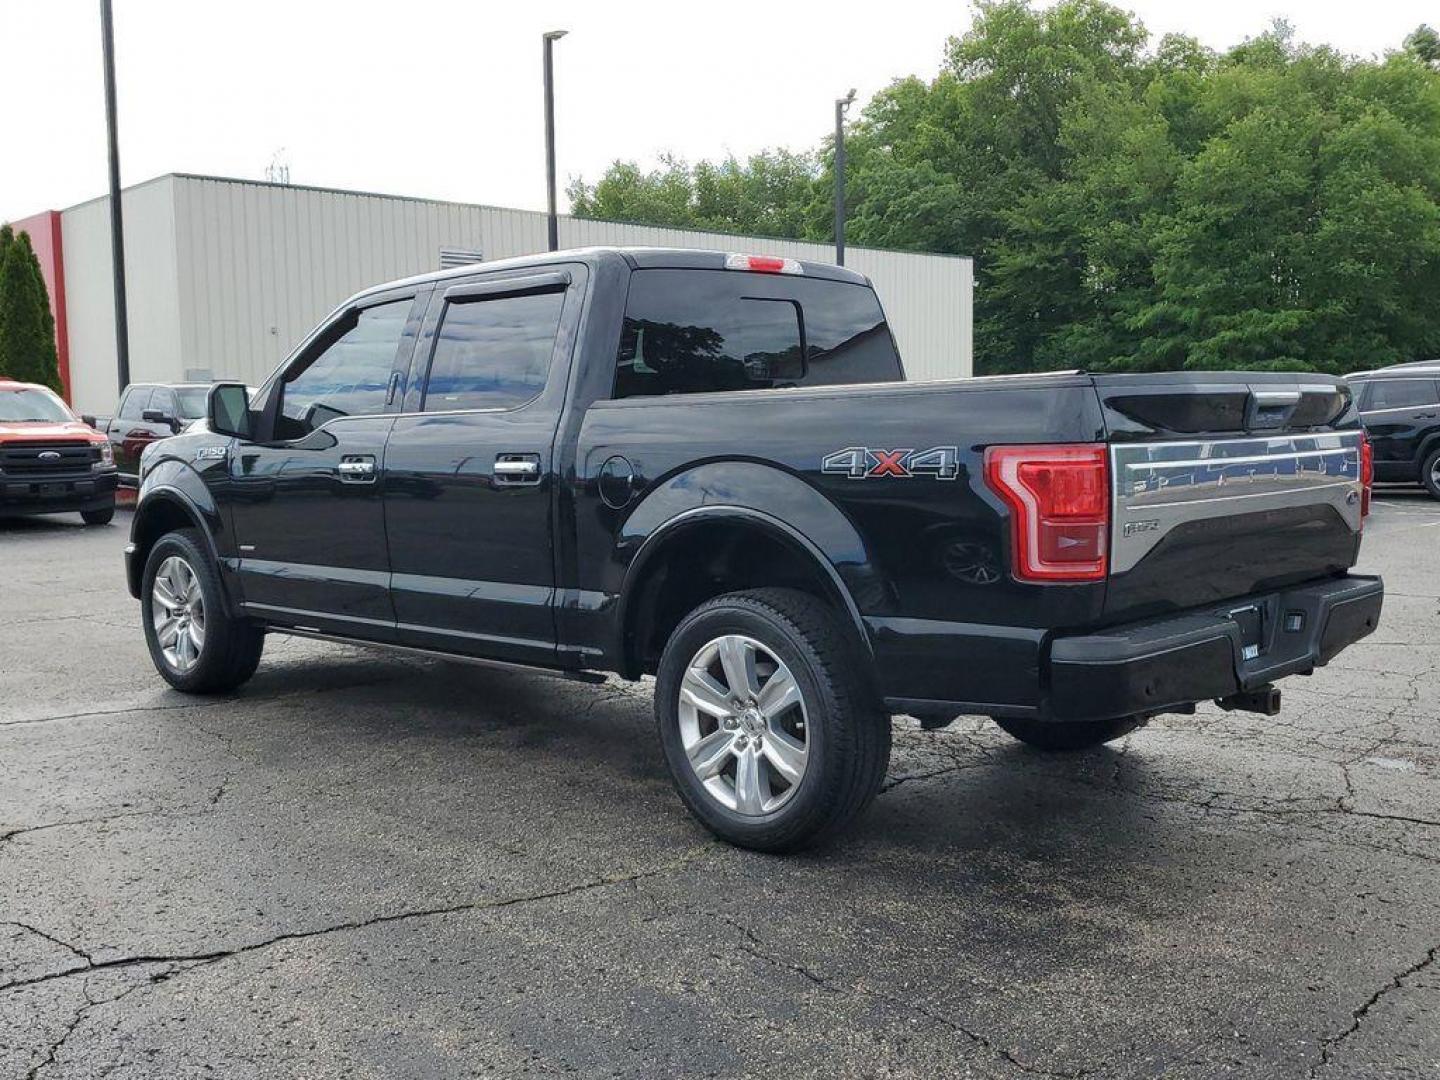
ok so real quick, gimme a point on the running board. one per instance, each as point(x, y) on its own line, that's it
point(594, 678)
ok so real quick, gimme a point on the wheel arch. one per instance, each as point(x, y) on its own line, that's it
point(705, 551)
point(1428, 445)
point(164, 508)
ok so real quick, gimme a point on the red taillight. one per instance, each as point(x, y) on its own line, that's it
point(1059, 499)
point(1367, 474)
point(763, 264)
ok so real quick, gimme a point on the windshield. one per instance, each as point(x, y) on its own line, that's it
point(30, 404)
point(193, 400)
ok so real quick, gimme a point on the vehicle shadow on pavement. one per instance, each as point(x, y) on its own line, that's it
point(960, 791)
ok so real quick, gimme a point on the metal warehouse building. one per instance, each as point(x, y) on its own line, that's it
point(225, 276)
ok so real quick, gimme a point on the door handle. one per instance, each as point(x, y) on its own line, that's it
point(356, 469)
point(516, 469)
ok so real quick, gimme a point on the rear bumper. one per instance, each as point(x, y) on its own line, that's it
point(1175, 661)
point(24, 495)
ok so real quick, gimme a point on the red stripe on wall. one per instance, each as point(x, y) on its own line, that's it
point(45, 238)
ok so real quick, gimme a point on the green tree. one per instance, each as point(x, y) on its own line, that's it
point(27, 327)
point(1128, 206)
point(769, 194)
point(1424, 44)
point(7, 240)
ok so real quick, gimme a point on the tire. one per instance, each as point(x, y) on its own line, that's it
point(98, 517)
point(1430, 474)
point(1066, 735)
point(227, 651)
point(834, 716)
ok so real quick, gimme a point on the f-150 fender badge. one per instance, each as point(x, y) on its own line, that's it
point(210, 453)
point(1147, 525)
point(865, 462)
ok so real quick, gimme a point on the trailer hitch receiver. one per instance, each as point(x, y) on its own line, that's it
point(1265, 700)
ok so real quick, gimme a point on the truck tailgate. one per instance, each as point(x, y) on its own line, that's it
point(1226, 485)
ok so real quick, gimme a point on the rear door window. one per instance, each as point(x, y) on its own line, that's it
point(493, 352)
point(1400, 394)
point(700, 331)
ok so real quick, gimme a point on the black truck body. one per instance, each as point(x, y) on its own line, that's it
point(1049, 550)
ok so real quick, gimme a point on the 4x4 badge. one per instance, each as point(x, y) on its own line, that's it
point(865, 462)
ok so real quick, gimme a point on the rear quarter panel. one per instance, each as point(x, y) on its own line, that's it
point(913, 550)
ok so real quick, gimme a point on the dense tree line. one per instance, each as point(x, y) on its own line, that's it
point(27, 325)
point(1130, 204)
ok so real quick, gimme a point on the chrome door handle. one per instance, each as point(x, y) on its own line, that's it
point(356, 470)
point(517, 469)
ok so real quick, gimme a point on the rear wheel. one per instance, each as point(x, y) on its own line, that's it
point(195, 646)
point(98, 517)
point(1068, 734)
point(771, 734)
point(1430, 474)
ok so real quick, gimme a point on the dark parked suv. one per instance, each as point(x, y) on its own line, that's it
point(1400, 408)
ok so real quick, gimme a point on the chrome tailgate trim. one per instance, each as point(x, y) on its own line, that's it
point(1159, 486)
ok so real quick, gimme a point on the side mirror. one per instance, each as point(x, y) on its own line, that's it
point(159, 416)
point(228, 410)
point(87, 418)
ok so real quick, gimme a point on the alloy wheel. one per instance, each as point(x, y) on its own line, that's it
point(743, 725)
point(177, 611)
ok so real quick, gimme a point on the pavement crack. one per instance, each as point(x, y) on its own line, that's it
point(216, 955)
point(114, 712)
point(891, 785)
point(753, 945)
point(215, 703)
point(1330, 1044)
point(72, 949)
point(53, 1051)
point(100, 819)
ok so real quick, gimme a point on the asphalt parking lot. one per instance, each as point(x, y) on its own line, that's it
point(366, 866)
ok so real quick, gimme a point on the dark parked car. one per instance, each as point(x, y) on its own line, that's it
point(709, 468)
point(1400, 408)
point(146, 412)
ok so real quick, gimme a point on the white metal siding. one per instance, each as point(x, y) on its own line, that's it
point(227, 276)
point(151, 292)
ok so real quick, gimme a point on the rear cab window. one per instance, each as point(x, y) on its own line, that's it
point(707, 331)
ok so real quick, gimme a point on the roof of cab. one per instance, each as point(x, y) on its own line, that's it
point(638, 258)
point(14, 384)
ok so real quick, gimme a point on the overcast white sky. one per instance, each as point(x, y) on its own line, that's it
point(442, 98)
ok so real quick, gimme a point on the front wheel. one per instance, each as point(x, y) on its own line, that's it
point(1430, 474)
point(98, 517)
point(195, 646)
point(772, 736)
point(1065, 735)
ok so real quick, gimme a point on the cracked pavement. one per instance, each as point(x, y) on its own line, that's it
point(363, 866)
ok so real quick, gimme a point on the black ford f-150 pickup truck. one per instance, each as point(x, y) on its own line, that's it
point(709, 468)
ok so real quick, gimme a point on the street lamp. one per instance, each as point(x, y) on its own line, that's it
point(842, 106)
point(553, 223)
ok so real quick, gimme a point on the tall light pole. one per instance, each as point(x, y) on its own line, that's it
point(842, 106)
point(117, 224)
point(553, 223)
